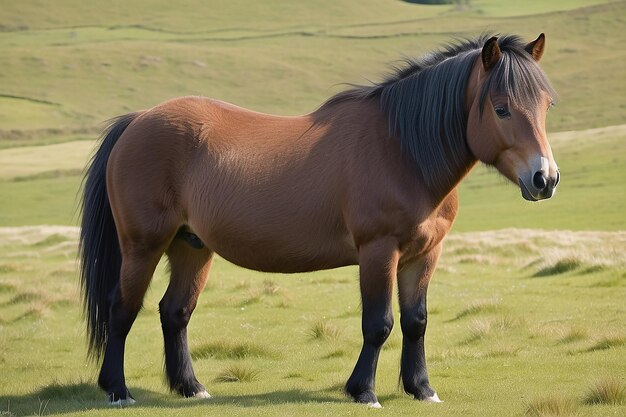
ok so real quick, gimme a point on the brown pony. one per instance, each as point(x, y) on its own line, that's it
point(369, 178)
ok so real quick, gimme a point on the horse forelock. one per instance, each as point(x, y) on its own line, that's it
point(516, 75)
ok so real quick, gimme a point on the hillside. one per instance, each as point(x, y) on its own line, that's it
point(64, 72)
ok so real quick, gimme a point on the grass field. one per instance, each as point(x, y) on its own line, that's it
point(527, 313)
point(516, 316)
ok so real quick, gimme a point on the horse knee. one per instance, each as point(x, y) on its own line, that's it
point(376, 332)
point(174, 318)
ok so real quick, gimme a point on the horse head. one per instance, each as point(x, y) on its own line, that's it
point(509, 99)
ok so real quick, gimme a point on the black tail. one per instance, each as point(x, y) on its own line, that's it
point(99, 248)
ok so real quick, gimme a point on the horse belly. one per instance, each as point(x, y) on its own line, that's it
point(283, 252)
point(264, 230)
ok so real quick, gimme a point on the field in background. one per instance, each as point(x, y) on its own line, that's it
point(63, 72)
point(61, 81)
point(523, 321)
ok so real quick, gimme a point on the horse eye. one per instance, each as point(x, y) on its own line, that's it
point(502, 112)
point(550, 106)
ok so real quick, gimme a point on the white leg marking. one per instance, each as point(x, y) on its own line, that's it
point(433, 399)
point(202, 395)
point(374, 405)
point(122, 403)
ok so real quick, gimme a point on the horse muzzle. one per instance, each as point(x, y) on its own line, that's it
point(539, 186)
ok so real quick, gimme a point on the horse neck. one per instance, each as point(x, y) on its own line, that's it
point(441, 191)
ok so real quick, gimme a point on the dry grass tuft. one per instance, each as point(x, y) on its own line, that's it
point(339, 353)
point(505, 351)
point(609, 390)
point(50, 240)
point(608, 342)
point(283, 304)
point(478, 307)
point(35, 312)
point(561, 266)
point(237, 373)
point(6, 287)
point(253, 298)
point(6, 268)
point(478, 259)
point(24, 298)
point(575, 334)
point(609, 283)
point(585, 251)
point(231, 350)
point(481, 328)
point(593, 269)
point(323, 330)
point(270, 287)
point(242, 285)
point(551, 406)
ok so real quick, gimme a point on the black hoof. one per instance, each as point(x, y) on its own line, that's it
point(193, 389)
point(362, 396)
point(423, 393)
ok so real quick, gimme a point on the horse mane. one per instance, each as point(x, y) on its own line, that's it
point(424, 100)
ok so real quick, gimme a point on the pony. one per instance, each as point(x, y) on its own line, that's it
point(369, 179)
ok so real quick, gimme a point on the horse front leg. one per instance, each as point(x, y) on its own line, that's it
point(413, 282)
point(378, 262)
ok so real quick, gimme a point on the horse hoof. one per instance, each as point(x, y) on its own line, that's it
point(433, 399)
point(202, 395)
point(374, 405)
point(122, 403)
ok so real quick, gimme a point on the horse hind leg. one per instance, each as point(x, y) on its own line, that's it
point(190, 262)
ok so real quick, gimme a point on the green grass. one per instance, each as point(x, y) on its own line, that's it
point(520, 319)
point(544, 333)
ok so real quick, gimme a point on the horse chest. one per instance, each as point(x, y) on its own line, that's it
point(428, 234)
point(425, 238)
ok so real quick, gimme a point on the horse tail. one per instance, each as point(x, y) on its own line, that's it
point(99, 248)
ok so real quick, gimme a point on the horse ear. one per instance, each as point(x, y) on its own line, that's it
point(536, 47)
point(490, 53)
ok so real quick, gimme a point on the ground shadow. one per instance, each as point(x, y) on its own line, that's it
point(60, 398)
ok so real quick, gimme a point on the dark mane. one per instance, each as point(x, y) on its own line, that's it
point(424, 100)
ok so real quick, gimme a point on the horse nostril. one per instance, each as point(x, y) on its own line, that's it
point(558, 178)
point(539, 180)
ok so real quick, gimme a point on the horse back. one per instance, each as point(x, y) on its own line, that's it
point(307, 190)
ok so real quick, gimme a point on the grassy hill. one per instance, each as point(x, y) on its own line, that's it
point(519, 319)
point(66, 71)
point(528, 320)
